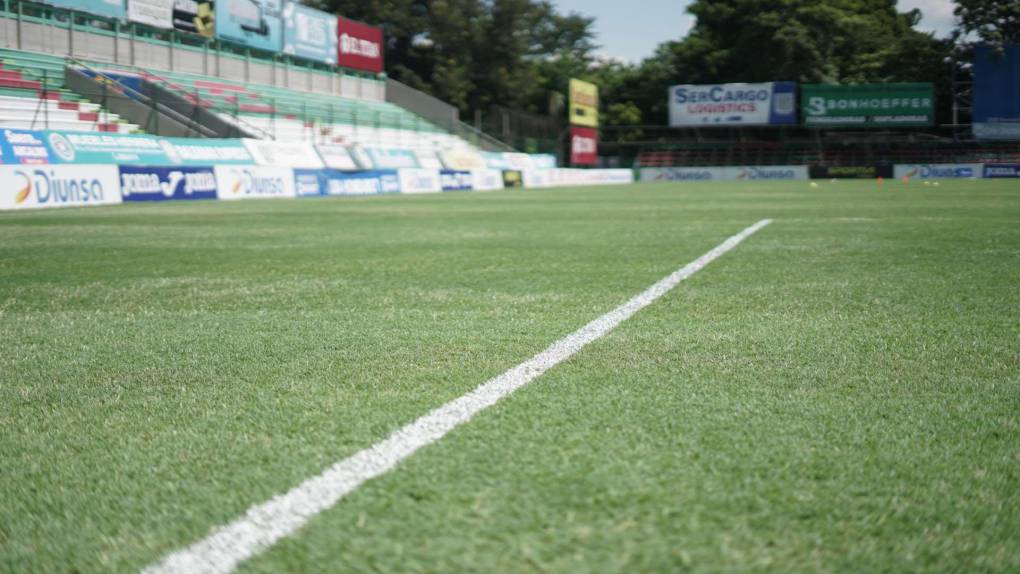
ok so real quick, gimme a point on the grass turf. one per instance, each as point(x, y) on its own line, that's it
point(838, 393)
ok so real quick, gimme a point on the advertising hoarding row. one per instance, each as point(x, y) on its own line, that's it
point(996, 113)
point(749, 173)
point(771, 103)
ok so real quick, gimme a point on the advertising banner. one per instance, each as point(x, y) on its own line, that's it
point(519, 161)
point(283, 154)
point(391, 157)
point(868, 105)
point(749, 173)
point(850, 172)
point(452, 180)
point(96, 148)
point(138, 183)
point(584, 104)
point(309, 33)
point(570, 177)
point(938, 170)
point(337, 157)
point(360, 46)
point(361, 182)
point(24, 147)
point(195, 17)
point(584, 146)
point(419, 181)
point(464, 159)
point(253, 182)
point(487, 179)
point(494, 160)
point(195, 151)
point(43, 186)
point(107, 8)
point(771, 103)
point(1002, 170)
point(253, 23)
point(537, 178)
point(543, 160)
point(513, 178)
point(309, 183)
point(996, 113)
point(428, 159)
point(158, 13)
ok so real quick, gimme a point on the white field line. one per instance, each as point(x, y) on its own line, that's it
point(265, 524)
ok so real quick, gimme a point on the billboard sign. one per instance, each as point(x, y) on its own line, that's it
point(419, 181)
point(584, 104)
point(337, 157)
point(487, 179)
point(283, 154)
point(868, 105)
point(1002, 170)
point(392, 157)
point(139, 183)
point(996, 113)
point(24, 147)
point(253, 23)
point(107, 8)
point(739, 173)
point(158, 13)
point(771, 103)
point(584, 146)
point(938, 170)
point(453, 180)
point(850, 172)
point(195, 17)
point(309, 183)
point(253, 182)
point(309, 33)
point(41, 186)
point(359, 45)
point(361, 182)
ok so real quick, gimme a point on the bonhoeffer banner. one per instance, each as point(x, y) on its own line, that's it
point(770, 103)
point(360, 46)
point(309, 33)
point(254, 23)
point(868, 105)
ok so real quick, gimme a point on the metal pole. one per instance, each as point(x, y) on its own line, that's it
point(19, 24)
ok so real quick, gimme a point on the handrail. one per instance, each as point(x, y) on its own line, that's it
point(154, 105)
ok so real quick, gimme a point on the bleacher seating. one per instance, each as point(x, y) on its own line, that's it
point(33, 96)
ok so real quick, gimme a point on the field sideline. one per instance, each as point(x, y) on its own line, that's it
point(839, 392)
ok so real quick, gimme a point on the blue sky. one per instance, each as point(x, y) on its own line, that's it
point(631, 29)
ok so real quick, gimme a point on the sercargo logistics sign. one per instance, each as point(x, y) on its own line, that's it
point(584, 104)
point(158, 13)
point(254, 23)
point(997, 93)
point(868, 105)
point(309, 33)
point(733, 104)
point(108, 8)
point(359, 46)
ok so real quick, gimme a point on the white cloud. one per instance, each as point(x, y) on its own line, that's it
point(937, 14)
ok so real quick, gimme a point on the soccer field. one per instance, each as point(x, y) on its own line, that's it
point(839, 392)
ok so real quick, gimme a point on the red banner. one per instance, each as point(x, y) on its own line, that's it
point(584, 146)
point(359, 45)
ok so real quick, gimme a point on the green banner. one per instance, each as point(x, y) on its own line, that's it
point(867, 105)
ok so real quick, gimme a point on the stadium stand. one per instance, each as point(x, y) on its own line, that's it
point(33, 96)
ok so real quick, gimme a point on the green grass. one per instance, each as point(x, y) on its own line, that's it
point(839, 393)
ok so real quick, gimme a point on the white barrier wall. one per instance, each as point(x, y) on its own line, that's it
point(38, 186)
point(939, 170)
point(749, 173)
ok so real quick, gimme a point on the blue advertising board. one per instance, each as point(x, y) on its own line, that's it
point(309, 33)
point(143, 183)
point(1002, 170)
point(24, 147)
point(453, 180)
point(309, 182)
point(254, 23)
point(107, 8)
point(370, 182)
point(996, 113)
